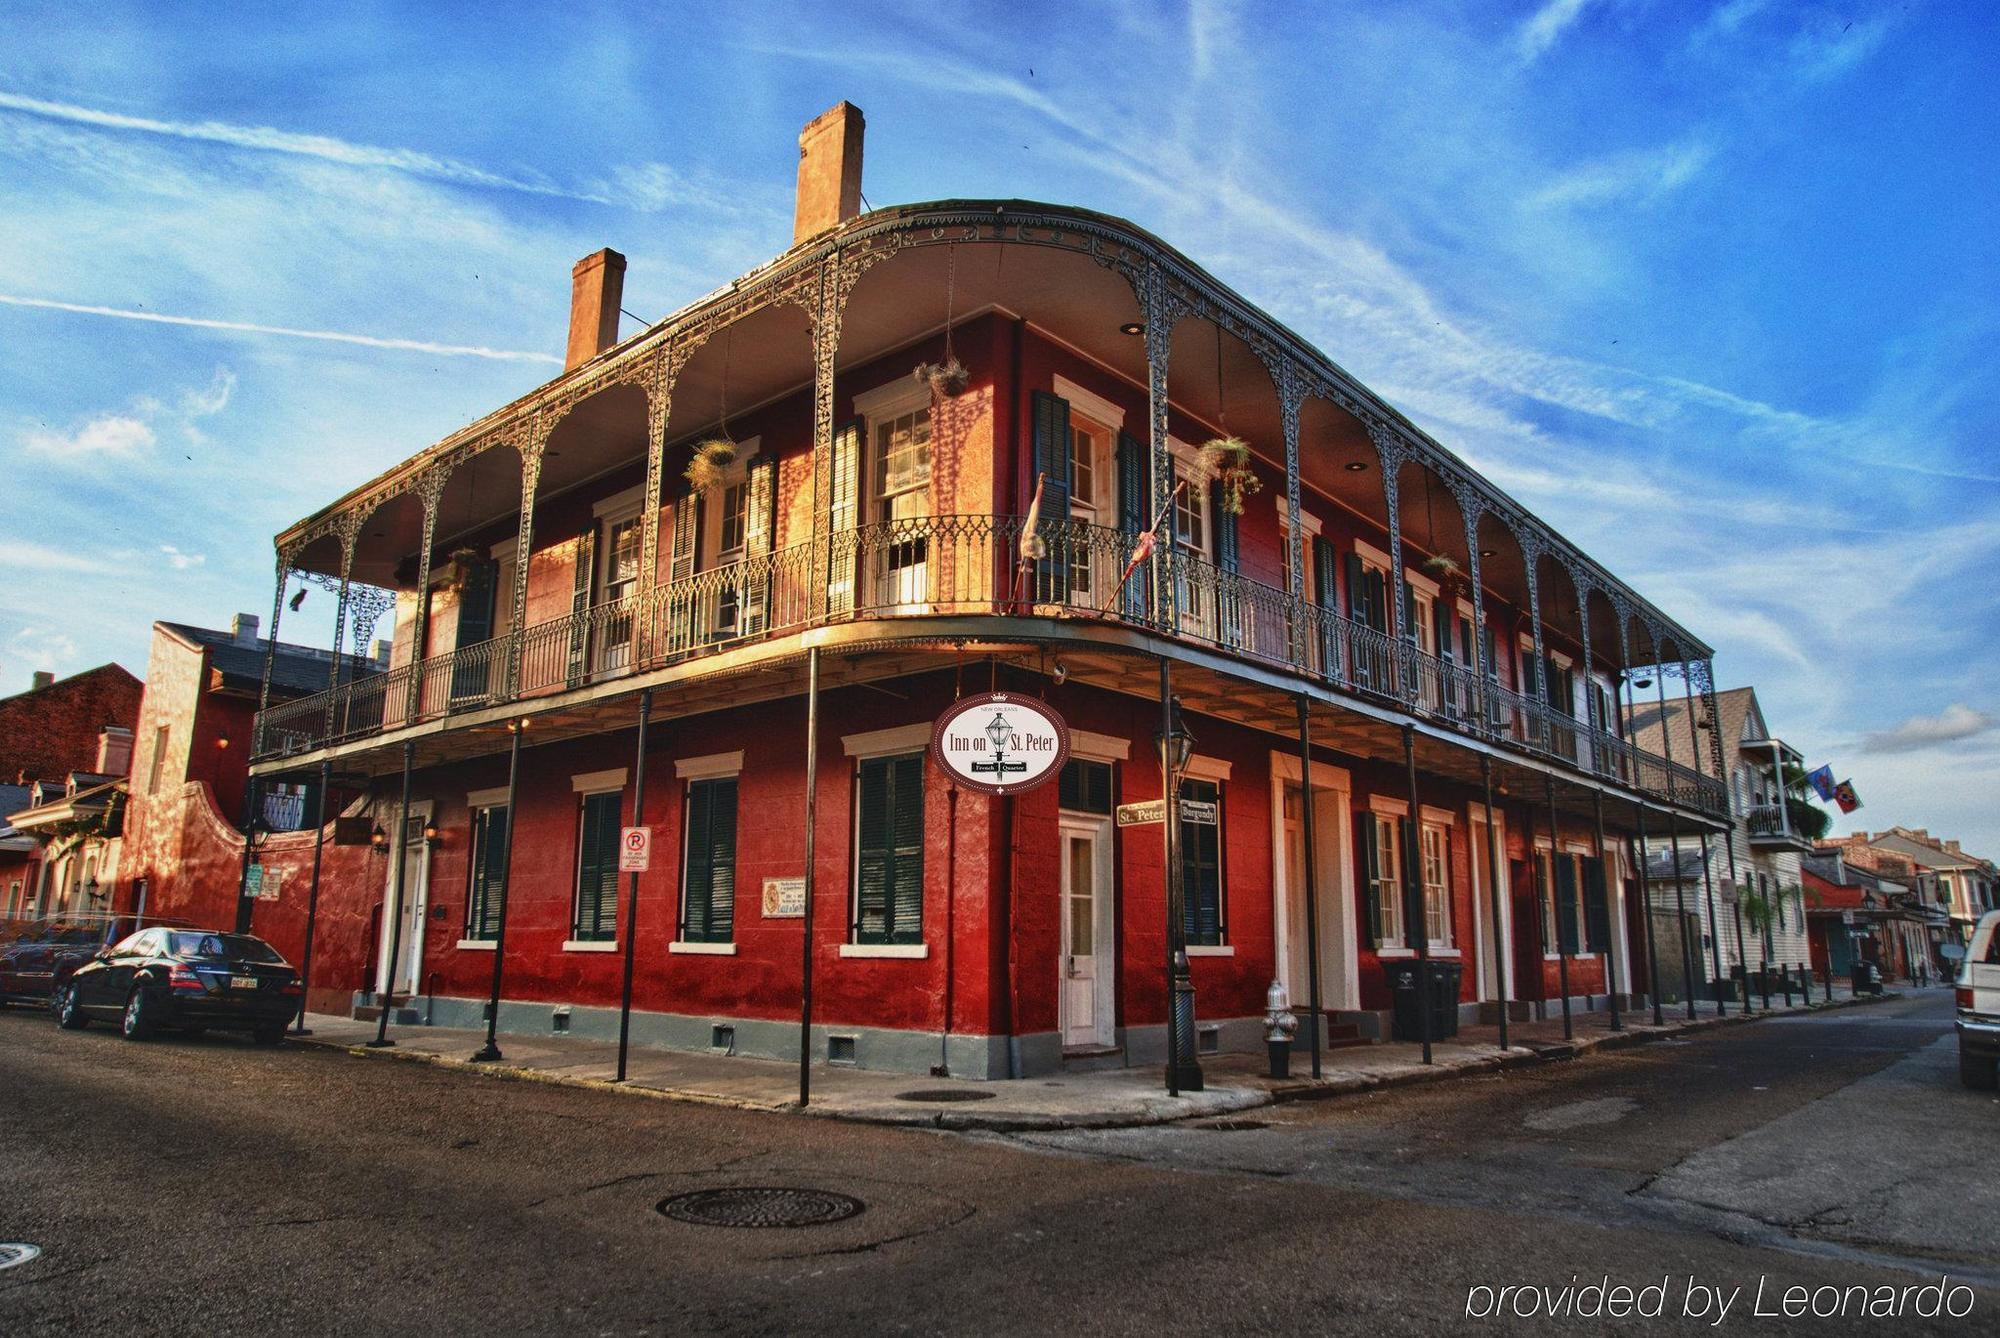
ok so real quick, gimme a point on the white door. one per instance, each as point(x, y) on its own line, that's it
point(1328, 898)
point(409, 914)
point(1088, 960)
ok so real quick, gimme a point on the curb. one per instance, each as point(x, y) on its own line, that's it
point(1217, 1102)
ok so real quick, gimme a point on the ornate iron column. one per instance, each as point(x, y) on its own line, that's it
point(1291, 397)
point(1390, 452)
point(1531, 555)
point(659, 404)
point(532, 444)
point(429, 489)
point(271, 648)
point(1162, 313)
point(1471, 508)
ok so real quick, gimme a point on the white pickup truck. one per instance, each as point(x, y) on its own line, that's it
point(1979, 1007)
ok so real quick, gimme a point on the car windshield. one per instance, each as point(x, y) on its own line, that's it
point(223, 947)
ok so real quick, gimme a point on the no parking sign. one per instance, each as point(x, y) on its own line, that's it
point(635, 849)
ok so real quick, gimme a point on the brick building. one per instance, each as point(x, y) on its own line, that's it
point(52, 729)
point(1968, 885)
point(866, 551)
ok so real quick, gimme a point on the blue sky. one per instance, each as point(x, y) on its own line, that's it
point(1707, 285)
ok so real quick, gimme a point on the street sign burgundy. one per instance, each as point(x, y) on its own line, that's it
point(1001, 743)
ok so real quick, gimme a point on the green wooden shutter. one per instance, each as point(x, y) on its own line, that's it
point(844, 517)
point(1201, 867)
point(489, 844)
point(1052, 449)
point(472, 678)
point(1132, 520)
point(1376, 586)
point(890, 851)
point(1596, 906)
point(1368, 868)
point(1565, 868)
point(1413, 883)
point(597, 869)
point(709, 904)
point(579, 607)
point(1441, 620)
point(906, 893)
point(760, 522)
point(1228, 556)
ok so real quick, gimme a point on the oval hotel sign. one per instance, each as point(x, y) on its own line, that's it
point(1000, 743)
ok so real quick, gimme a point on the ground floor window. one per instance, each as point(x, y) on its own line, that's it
point(489, 848)
point(1436, 850)
point(596, 918)
point(1201, 862)
point(708, 902)
point(889, 850)
point(1576, 902)
point(1085, 787)
point(1381, 858)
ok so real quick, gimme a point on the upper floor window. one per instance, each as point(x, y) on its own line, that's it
point(621, 560)
point(159, 759)
point(734, 512)
point(1191, 507)
point(902, 454)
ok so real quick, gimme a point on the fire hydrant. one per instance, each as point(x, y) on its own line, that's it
point(1279, 1025)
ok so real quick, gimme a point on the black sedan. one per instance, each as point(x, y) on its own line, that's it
point(188, 979)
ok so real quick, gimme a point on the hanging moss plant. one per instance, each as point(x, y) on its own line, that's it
point(1227, 460)
point(947, 379)
point(710, 464)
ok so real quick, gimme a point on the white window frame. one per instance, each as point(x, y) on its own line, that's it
point(709, 766)
point(1381, 809)
point(886, 403)
point(583, 786)
point(475, 800)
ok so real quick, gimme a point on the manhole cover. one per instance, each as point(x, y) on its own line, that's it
point(945, 1094)
point(754, 1206)
point(13, 1256)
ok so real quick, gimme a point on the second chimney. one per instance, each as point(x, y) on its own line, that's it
point(114, 750)
point(243, 629)
point(596, 288)
point(829, 171)
point(43, 678)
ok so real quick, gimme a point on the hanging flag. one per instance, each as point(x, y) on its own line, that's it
point(1822, 782)
point(1844, 795)
point(1033, 549)
point(1143, 548)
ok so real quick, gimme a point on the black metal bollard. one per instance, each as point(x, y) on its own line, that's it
point(1785, 974)
point(1829, 978)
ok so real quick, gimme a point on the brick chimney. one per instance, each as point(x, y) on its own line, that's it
point(114, 750)
point(596, 287)
point(43, 678)
point(829, 171)
point(243, 629)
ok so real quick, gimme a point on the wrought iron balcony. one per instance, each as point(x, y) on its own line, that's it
point(1769, 826)
point(955, 566)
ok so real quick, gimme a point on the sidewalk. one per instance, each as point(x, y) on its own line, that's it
point(1110, 1098)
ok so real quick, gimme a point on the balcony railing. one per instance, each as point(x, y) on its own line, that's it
point(966, 565)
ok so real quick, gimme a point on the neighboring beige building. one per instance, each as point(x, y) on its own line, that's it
point(1765, 842)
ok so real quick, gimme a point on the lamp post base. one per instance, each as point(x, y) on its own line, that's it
point(487, 1053)
point(380, 1043)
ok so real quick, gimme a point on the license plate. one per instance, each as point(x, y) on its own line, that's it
point(243, 982)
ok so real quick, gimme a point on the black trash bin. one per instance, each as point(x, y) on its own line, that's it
point(1866, 981)
point(1403, 975)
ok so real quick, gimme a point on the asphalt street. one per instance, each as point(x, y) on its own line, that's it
point(210, 1187)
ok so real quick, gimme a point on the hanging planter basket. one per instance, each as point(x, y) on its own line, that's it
point(1447, 572)
point(709, 466)
point(460, 567)
point(947, 379)
point(1227, 460)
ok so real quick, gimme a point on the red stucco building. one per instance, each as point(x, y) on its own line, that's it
point(583, 547)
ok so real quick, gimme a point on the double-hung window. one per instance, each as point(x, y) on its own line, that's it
point(489, 854)
point(596, 909)
point(1201, 862)
point(1436, 852)
point(1089, 469)
point(708, 899)
point(1386, 878)
point(889, 850)
point(1566, 889)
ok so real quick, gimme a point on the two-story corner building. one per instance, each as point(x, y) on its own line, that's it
point(867, 547)
point(1967, 884)
point(1741, 895)
point(184, 823)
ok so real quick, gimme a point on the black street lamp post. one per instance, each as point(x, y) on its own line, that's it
point(1176, 746)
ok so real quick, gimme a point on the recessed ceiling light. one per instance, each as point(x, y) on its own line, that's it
point(1486, 552)
point(1355, 466)
point(1132, 328)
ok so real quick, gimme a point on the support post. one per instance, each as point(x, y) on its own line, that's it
point(1646, 909)
point(1610, 929)
point(1500, 944)
point(1183, 1069)
point(1413, 894)
point(489, 1052)
point(394, 913)
point(1562, 946)
point(1714, 930)
point(632, 893)
point(1541, 909)
point(1311, 873)
point(244, 902)
point(312, 897)
point(1674, 834)
point(812, 828)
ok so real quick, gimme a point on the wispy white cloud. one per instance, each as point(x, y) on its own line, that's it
point(29, 556)
point(115, 436)
point(289, 332)
point(1640, 176)
point(1546, 26)
point(1957, 721)
point(180, 561)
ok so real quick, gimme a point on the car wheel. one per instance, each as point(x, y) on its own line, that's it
point(268, 1033)
point(69, 1013)
point(1978, 1072)
point(137, 1023)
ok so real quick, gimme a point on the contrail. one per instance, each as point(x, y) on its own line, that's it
point(272, 140)
point(247, 327)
